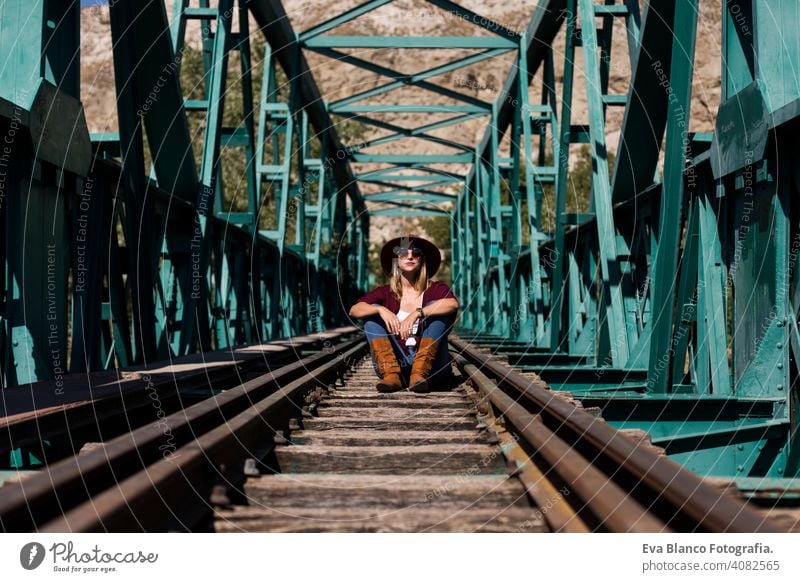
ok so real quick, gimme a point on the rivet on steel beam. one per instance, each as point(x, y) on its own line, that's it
point(294, 424)
point(280, 438)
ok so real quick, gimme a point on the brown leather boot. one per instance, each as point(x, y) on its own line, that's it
point(423, 364)
point(388, 366)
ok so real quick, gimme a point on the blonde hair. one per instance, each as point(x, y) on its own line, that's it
point(395, 279)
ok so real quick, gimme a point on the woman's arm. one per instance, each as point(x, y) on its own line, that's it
point(361, 310)
point(446, 306)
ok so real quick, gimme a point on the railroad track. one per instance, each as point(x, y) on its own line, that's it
point(132, 482)
point(398, 462)
point(114, 402)
point(313, 447)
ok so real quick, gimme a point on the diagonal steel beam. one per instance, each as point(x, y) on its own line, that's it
point(399, 133)
point(645, 120)
point(445, 123)
point(420, 206)
point(399, 136)
point(437, 171)
point(422, 189)
point(404, 195)
point(366, 176)
point(374, 122)
point(476, 19)
point(421, 130)
point(342, 18)
point(392, 74)
point(414, 79)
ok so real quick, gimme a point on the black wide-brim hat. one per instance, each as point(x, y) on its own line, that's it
point(433, 258)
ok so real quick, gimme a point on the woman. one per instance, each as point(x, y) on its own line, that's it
point(407, 321)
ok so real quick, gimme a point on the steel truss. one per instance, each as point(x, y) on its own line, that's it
point(671, 303)
point(671, 306)
point(106, 267)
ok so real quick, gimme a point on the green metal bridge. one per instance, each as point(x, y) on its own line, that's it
point(670, 302)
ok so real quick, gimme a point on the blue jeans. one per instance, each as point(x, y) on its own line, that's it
point(437, 328)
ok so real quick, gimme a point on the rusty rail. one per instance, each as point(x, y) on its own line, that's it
point(122, 400)
point(641, 491)
point(134, 470)
point(132, 483)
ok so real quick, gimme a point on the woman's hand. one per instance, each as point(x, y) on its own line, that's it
point(407, 324)
point(390, 319)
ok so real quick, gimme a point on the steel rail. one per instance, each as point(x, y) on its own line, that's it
point(97, 415)
point(671, 488)
point(554, 508)
point(613, 508)
point(169, 494)
point(26, 504)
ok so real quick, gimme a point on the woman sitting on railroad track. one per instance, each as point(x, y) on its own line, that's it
point(408, 320)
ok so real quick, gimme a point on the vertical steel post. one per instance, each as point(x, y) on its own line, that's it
point(666, 262)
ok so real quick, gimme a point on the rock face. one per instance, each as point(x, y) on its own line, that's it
point(417, 18)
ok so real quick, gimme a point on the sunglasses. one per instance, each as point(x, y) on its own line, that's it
point(415, 252)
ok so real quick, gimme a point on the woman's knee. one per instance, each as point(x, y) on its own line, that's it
point(375, 326)
point(437, 327)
